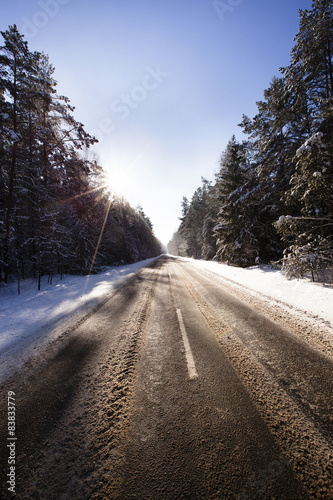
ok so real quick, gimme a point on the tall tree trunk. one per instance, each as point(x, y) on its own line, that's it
point(329, 58)
point(9, 211)
point(11, 182)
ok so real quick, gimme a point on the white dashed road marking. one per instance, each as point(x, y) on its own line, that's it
point(192, 372)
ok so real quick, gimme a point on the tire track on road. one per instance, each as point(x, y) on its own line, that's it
point(318, 333)
point(309, 452)
point(71, 447)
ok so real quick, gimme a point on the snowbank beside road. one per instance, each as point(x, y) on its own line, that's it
point(303, 295)
point(30, 320)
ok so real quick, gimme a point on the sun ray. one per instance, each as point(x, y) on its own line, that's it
point(98, 243)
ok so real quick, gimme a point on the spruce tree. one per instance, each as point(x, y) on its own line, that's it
point(236, 243)
point(308, 231)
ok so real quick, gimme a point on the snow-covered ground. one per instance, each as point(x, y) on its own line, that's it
point(32, 319)
point(315, 299)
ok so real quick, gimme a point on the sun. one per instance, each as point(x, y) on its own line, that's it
point(120, 182)
point(115, 181)
point(123, 173)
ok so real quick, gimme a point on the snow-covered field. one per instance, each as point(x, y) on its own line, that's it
point(30, 320)
point(314, 299)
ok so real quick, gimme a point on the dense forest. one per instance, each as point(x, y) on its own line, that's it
point(272, 199)
point(56, 214)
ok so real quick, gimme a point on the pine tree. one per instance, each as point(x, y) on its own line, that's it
point(310, 235)
point(236, 242)
point(209, 247)
point(194, 215)
point(312, 57)
point(308, 231)
point(54, 211)
point(18, 69)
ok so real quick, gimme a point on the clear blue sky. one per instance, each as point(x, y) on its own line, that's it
point(162, 84)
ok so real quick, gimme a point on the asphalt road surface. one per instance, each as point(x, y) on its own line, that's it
point(177, 387)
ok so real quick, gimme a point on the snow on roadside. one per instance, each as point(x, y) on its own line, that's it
point(30, 320)
point(313, 299)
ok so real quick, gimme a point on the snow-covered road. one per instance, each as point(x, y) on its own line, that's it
point(114, 407)
point(32, 319)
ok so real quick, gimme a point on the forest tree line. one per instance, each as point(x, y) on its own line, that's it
point(272, 198)
point(56, 215)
